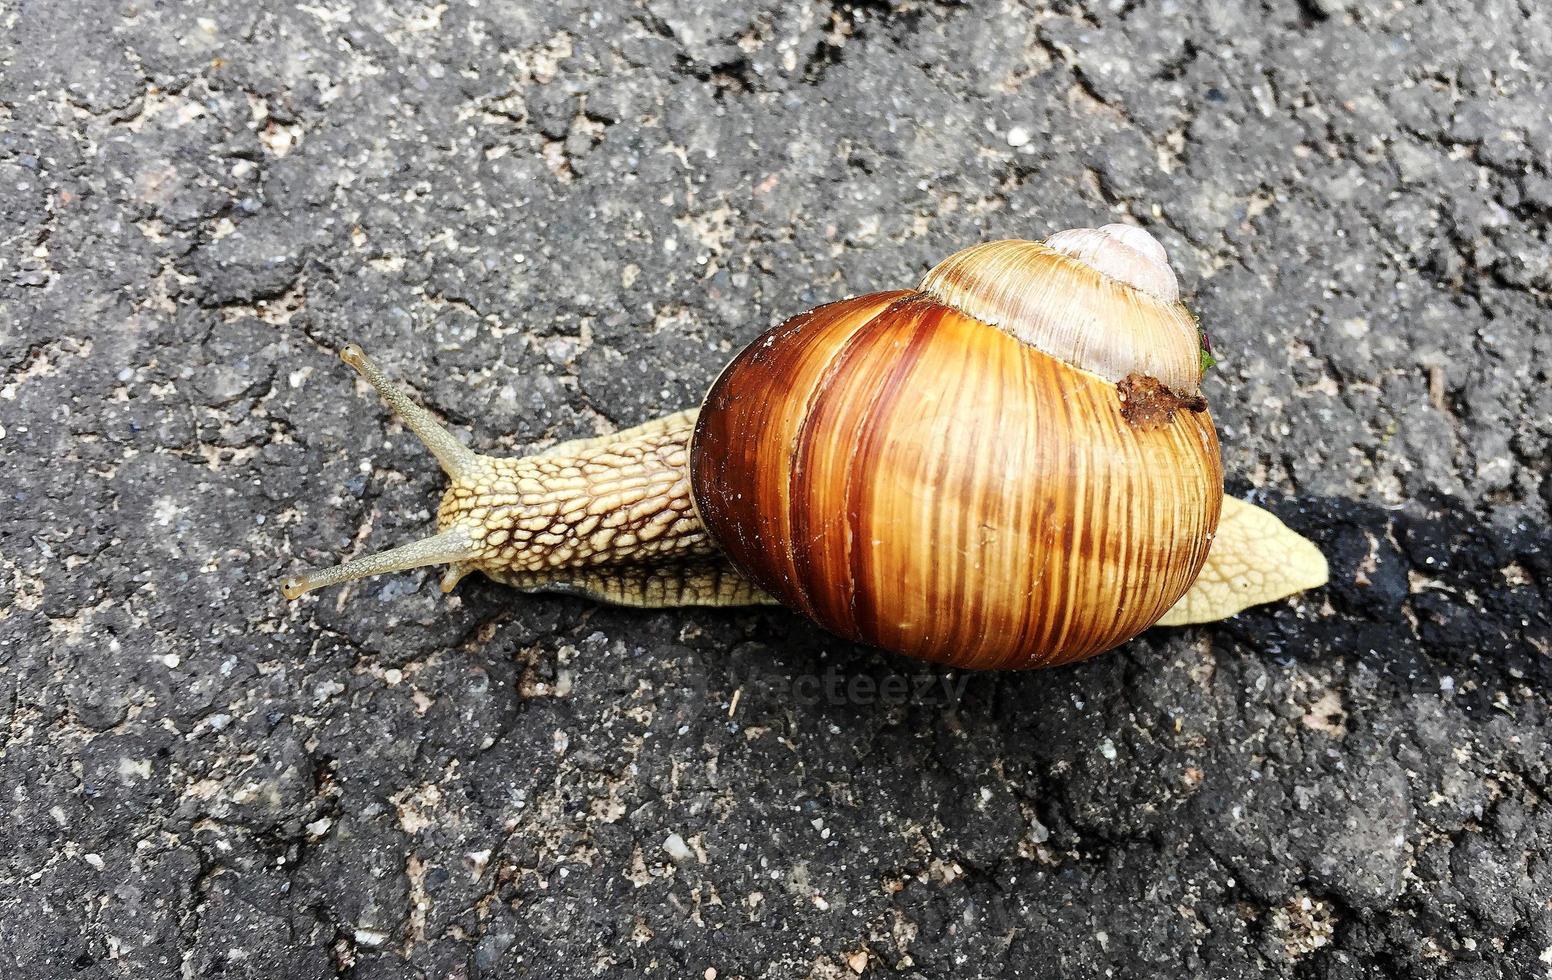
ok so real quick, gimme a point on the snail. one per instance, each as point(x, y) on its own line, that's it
point(1010, 466)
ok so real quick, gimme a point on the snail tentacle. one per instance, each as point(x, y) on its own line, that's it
point(451, 545)
point(456, 459)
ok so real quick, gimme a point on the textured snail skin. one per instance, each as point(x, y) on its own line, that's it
point(608, 518)
point(1255, 558)
point(849, 464)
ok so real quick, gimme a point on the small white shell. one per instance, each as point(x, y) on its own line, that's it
point(1125, 253)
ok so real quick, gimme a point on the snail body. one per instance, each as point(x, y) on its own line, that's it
point(1009, 466)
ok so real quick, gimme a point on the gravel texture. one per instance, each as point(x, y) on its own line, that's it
point(558, 219)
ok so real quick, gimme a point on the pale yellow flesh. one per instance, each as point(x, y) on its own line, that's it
point(1255, 558)
point(611, 518)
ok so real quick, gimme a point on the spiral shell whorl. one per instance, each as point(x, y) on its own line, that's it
point(1125, 253)
point(1101, 299)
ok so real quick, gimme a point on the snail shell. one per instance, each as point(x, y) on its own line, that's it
point(1009, 466)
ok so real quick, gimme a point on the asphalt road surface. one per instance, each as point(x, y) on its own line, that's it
point(560, 219)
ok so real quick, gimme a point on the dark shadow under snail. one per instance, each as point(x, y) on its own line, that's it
point(1010, 466)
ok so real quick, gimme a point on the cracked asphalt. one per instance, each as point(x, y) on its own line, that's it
point(559, 219)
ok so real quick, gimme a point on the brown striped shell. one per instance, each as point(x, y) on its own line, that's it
point(1007, 467)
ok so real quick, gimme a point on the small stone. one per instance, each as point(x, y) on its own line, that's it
point(1019, 136)
point(477, 861)
point(676, 849)
point(368, 936)
point(327, 690)
point(1039, 832)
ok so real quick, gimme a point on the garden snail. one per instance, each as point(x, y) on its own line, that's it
point(1010, 466)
